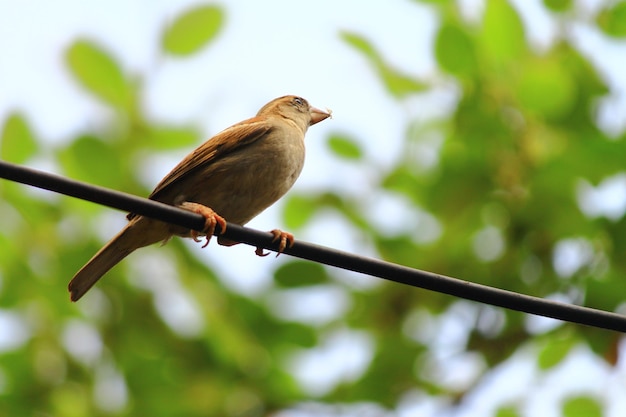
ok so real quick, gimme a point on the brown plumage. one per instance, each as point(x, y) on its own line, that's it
point(233, 176)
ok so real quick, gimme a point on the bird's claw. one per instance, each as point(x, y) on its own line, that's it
point(212, 219)
point(286, 240)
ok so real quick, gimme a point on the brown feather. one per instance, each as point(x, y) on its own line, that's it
point(219, 146)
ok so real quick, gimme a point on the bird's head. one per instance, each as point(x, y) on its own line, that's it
point(295, 108)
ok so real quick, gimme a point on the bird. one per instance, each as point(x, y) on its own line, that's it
point(233, 177)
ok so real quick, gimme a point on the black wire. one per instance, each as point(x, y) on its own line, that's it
point(321, 254)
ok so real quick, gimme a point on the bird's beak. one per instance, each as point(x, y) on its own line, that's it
point(318, 115)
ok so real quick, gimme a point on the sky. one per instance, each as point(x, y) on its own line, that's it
point(287, 47)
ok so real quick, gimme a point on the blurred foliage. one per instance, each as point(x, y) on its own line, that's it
point(99, 73)
point(612, 20)
point(505, 195)
point(345, 147)
point(193, 30)
point(582, 406)
point(18, 142)
point(397, 83)
point(558, 5)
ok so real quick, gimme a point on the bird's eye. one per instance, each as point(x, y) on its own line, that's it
point(298, 101)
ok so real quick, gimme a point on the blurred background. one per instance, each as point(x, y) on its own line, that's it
point(483, 140)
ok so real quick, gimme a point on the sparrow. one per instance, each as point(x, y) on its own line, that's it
point(234, 175)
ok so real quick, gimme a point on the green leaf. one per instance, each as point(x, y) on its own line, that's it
point(403, 180)
point(554, 351)
point(92, 160)
point(298, 334)
point(344, 147)
point(193, 30)
point(396, 82)
point(606, 292)
point(455, 50)
point(612, 20)
point(503, 33)
point(98, 72)
point(164, 138)
point(18, 142)
point(399, 249)
point(508, 411)
point(300, 274)
point(298, 211)
point(582, 407)
point(547, 88)
point(558, 5)
point(362, 45)
point(399, 84)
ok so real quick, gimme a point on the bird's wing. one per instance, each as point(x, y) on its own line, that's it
point(224, 143)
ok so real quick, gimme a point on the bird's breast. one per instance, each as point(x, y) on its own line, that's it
point(246, 182)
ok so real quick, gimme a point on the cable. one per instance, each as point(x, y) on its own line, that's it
point(321, 254)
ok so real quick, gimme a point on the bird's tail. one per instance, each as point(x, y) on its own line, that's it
point(131, 237)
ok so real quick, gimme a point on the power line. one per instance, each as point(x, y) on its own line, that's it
point(321, 254)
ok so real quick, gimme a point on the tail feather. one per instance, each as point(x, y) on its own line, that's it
point(129, 239)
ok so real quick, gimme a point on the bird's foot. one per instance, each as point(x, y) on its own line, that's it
point(212, 219)
point(286, 240)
